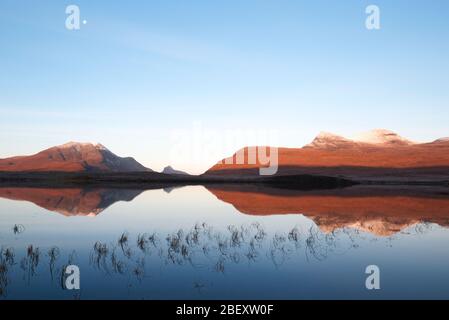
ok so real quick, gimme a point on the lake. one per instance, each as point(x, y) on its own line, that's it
point(224, 242)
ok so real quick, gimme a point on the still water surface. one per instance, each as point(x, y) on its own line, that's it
point(224, 243)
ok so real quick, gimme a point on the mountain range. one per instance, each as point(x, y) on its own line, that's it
point(377, 154)
point(373, 155)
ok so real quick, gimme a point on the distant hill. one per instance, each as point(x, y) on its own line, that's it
point(72, 157)
point(170, 170)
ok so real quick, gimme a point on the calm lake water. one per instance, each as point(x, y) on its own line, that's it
point(224, 242)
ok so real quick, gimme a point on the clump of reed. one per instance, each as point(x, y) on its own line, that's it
point(18, 228)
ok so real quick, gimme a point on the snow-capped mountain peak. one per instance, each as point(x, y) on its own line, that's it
point(327, 139)
point(377, 137)
point(82, 146)
point(381, 136)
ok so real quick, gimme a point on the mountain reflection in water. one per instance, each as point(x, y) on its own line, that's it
point(382, 211)
point(71, 201)
point(378, 210)
point(185, 244)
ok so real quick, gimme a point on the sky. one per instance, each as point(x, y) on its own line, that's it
point(187, 82)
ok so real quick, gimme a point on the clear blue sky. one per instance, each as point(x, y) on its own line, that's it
point(138, 70)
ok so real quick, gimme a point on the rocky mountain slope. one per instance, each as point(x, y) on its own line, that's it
point(72, 157)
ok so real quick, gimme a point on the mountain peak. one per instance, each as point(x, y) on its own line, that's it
point(326, 139)
point(79, 145)
point(73, 157)
point(328, 135)
point(170, 170)
point(442, 140)
point(382, 136)
point(379, 137)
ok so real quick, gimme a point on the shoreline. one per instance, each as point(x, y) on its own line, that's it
point(151, 180)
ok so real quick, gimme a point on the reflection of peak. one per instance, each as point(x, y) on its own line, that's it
point(70, 202)
point(168, 189)
point(379, 226)
point(171, 188)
